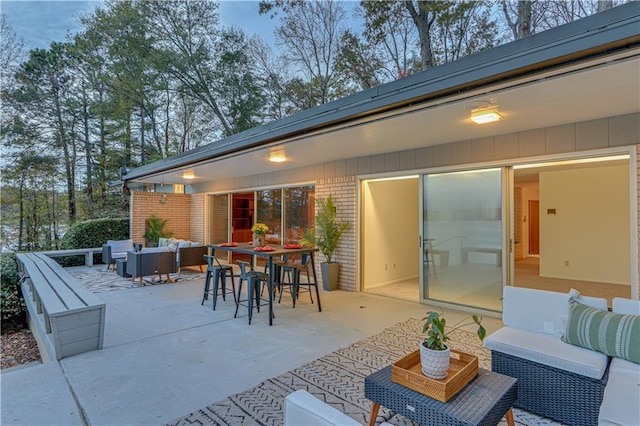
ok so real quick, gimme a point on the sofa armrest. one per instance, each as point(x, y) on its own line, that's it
point(192, 256)
point(302, 408)
point(106, 254)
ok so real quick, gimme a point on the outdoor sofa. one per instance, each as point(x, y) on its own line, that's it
point(560, 379)
point(151, 261)
point(189, 253)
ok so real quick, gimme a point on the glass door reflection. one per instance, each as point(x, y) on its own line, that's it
point(462, 247)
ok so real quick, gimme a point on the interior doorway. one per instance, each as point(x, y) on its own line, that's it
point(242, 211)
point(574, 229)
point(390, 264)
point(534, 227)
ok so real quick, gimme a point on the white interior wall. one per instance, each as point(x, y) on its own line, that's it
point(588, 236)
point(390, 231)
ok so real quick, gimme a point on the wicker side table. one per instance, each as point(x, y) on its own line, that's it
point(121, 268)
point(484, 401)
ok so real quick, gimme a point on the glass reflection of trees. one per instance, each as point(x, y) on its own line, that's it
point(270, 213)
point(298, 212)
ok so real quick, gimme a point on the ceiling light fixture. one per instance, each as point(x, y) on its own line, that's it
point(188, 174)
point(277, 156)
point(484, 116)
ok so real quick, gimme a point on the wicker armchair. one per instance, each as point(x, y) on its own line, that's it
point(151, 261)
point(115, 249)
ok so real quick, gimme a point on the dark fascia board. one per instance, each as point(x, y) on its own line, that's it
point(590, 37)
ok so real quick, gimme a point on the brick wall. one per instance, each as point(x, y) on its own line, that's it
point(174, 207)
point(197, 217)
point(343, 191)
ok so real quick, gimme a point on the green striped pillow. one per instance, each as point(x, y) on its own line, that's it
point(616, 335)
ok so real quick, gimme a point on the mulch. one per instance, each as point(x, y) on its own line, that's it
point(18, 347)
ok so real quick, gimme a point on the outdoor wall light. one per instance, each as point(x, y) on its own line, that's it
point(277, 156)
point(188, 174)
point(484, 116)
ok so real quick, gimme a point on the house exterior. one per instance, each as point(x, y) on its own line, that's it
point(431, 195)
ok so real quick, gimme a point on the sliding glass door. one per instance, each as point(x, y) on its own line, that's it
point(463, 238)
point(286, 211)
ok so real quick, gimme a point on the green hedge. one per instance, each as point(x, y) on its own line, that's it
point(11, 302)
point(92, 233)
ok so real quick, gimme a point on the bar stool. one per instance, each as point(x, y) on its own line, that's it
point(253, 279)
point(428, 253)
point(294, 270)
point(218, 272)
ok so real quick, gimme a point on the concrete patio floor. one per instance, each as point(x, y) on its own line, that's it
point(165, 355)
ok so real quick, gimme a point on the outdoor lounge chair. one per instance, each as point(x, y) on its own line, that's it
point(151, 261)
point(115, 249)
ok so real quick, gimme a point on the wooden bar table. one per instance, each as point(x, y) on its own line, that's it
point(278, 250)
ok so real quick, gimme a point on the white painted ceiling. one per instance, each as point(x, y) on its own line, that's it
point(564, 96)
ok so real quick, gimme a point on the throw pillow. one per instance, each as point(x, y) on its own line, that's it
point(163, 242)
point(616, 335)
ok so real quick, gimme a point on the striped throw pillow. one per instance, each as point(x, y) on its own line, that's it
point(616, 335)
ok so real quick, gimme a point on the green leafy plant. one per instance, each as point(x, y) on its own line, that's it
point(434, 328)
point(11, 302)
point(155, 229)
point(327, 231)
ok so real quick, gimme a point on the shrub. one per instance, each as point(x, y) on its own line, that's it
point(11, 301)
point(92, 233)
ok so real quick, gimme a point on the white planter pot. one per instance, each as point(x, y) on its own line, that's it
point(435, 364)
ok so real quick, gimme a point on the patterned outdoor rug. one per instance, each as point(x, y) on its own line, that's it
point(338, 380)
point(99, 280)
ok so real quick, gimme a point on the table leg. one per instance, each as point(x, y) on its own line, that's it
point(375, 407)
point(315, 280)
point(509, 417)
point(271, 278)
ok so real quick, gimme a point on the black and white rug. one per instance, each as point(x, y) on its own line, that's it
point(338, 380)
point(100, 279)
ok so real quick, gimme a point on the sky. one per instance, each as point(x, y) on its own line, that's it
point(39, 23)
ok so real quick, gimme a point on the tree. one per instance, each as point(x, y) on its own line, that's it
point(44, 92)
point(358, 63)
point(209, 62)
point(394, 33)
point(11, 52)
point(462, 29)
point(525, 17)
point(312, 33)
point(445, 30)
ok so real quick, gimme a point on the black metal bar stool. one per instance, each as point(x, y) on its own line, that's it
point(253, 279)
point(218, 272)
point(294, 271)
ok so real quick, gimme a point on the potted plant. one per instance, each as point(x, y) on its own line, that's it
point(259, 231)
point(434, 352)
point(325, 236)
point(155, 230)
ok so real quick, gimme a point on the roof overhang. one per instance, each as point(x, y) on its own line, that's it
point(582, 71)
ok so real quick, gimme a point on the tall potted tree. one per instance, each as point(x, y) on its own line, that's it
point(325, 236)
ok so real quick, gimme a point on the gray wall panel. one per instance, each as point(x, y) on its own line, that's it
point(560, 139)
point(531, 143)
